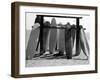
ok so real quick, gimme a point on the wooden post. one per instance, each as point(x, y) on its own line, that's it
point(41, 36)
point(77, 37)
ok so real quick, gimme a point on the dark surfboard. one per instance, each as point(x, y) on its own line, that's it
point(68, 41)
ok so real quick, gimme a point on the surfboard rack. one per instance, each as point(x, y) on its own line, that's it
point(77, 32)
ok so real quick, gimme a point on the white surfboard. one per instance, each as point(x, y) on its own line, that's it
point(61, 39)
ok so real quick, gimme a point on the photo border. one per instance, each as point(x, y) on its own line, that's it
point(15, 32)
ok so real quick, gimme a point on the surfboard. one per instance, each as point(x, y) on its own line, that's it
point(53, 36)
point(33, 39)
point(61, 39)
point(73, 34)
point(68, 41)
point(46, 35)
point(84, 42)
point(32, 43)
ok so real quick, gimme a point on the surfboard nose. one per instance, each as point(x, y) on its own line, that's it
point(68, 25)
point(53, 22)
point(47, 24)
point(38, 19)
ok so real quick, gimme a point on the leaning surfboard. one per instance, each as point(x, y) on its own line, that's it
point(53, 36)
point(33, 39)
point(61, 39)
point(68, 41)
point(32, 43)
point(46, 29)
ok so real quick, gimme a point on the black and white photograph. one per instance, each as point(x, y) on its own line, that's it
point(56, 40)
